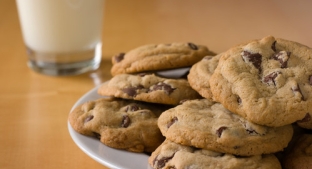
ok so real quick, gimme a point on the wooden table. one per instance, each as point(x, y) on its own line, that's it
point(35, 107)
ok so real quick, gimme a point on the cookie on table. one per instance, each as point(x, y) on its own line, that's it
point(267, 81)
point(155, 57)
point(121, 124)
point(171, 155)
point(200, 74)
point(300, 156)
point(208, 125)
point(148, 88)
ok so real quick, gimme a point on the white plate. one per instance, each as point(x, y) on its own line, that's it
point(174, 73)
point(110, 157)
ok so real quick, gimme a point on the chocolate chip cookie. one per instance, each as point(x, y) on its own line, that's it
point(267, 81)
point(170, 155)
point(121, 124)
point(200, 74)
point(206, 124)
point(300, 156)
point(155, 57)
point(148, 88)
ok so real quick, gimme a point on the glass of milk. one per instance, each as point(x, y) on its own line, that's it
point(62, 37)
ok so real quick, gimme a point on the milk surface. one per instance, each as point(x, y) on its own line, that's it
point(61, 26)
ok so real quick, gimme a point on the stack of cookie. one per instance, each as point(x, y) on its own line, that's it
point(236, 109)
point(203, 129)
point(135, 73)
point(253, 95)
point(128, 119)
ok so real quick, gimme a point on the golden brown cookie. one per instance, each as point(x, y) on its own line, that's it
point(155, 57)
point(267, 81)
point(148, 88)
point(121, 124)
point(200, 74)
point(206, 124)
point(170, 155)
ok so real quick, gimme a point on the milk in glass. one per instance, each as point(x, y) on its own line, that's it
point(62, 36)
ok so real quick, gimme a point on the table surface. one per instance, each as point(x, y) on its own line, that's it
point(35, 107)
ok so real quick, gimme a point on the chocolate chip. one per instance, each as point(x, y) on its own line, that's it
point(119, 57)
point(89, 118)
point(97, 135)
point(220, 131)
point(296, 89)
point(254, 58)
point(306, 118)
point(251, 131)
point(162, 162)
point(192, 46)
point(249, 128)
point(282, 57)
point(239, 100)
point(172, 121)
point(125, 121)
point(131, 91)
point(132, 107)
point(273, 47)
point(310, 79)
point(270, 78)
point(163, 86)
